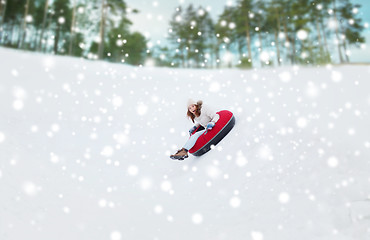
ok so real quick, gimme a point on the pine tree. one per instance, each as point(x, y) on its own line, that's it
point(13, 14)
point(260, 26)
point(114, 8)
point(178, 36)
point(317, 16)
point(24, 25)
point(244, 14)
point(135, 48)
point(2, 16)
point(350, 26)
point(72, 31)
point(228, 33)
point(273, 20)
point(201, 28)
point(40, 19)
point(62, 20)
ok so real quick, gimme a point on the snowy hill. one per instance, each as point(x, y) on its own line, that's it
point(84, 152)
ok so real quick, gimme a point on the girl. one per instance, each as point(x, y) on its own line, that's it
point(203, 116)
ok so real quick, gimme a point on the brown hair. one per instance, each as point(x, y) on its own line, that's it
point(197, 111)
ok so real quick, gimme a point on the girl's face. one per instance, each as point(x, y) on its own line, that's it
point(192, 108)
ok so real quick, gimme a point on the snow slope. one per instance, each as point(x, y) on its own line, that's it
point(84, 152)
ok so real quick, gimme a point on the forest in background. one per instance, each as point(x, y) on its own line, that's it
point(251, 33)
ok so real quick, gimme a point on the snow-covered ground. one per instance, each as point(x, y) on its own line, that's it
point(84, 152)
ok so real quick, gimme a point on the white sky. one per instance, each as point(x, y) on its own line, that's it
point(153, 19)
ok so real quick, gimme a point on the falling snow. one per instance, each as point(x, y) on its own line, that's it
point(2, 137)
point(197, 218)
point(115, 235)
point(85, 145)
point(284, 197)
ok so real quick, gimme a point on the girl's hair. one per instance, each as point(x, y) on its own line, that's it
point(197, 111)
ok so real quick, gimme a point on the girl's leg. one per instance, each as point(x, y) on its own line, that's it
point(191, 142)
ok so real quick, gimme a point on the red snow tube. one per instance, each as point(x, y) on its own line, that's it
point(211, 137)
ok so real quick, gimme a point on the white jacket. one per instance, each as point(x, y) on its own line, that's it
point(206, 115)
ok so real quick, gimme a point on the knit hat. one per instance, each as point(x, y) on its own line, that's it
point(191, 102)
point(199, 103)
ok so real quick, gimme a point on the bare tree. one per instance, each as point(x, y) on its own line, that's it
point(2, 13)
point(24, 26)
point(44, 20)
point(72, 27)
point(102, 30)
point(337, 32)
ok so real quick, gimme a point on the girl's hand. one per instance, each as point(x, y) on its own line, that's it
point(210, 125)
point(191, 130)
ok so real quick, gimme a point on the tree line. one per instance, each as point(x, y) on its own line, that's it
point(247, 34)
point(256, 32)
point(95, 29)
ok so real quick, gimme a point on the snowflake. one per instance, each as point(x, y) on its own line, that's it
point(107, 151)
point(18, 105)
point(302, 122)
point(213, 172)
point(197, 218)
point(2, 137)
point(54, 158)
point(133, 170)
point(30, 188)
point(215, 87)
point(336, 76)
point(332, 162)
point(115, 235)
point(285, 76)
point(166, 186)
point(145, 183)
point(158, 209)
point(235, 202)
point(302, 34)
point(256, 235)
point(284, 197)
point(141, 109)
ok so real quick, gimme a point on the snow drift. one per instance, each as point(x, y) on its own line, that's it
point(84, 152)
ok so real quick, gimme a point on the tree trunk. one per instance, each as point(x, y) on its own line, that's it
point(344, 44)
point(325, 41)
point(183, 59)
point(102, 30)
point(39, 47)
point(24, 27)
point(337, 32)
point(240, 48)
point(293, 51)
point(217, 50)
point(217, 58)
point(19, 35)
point(248, 40)
point(72, 29)
point(48, 22)
point(345, 50)
point(260, 49)
point(229, 64)
point(287, 41)
point(2, 12)
point(36, 39)
point(277, 47)
point(319, 38)
point(56, 40)
point(10, 33)
point(277, 36)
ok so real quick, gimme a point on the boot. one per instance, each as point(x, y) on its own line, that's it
point(180, 154)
